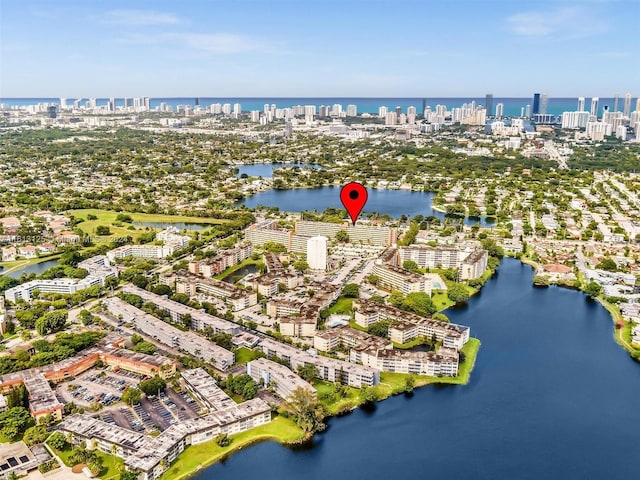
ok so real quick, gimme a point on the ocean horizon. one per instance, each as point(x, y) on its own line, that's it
point(512, 105)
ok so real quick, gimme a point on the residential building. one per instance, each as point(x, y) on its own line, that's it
point(317, 253)
point(281, 378)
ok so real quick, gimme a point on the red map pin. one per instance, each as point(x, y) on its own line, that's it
point(353, 196)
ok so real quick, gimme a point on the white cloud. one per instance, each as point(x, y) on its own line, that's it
point(213, 43)
point(566, 22)
point(139, 18)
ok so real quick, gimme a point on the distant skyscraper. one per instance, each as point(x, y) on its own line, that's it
point(317, 253)
point(352, 110)
point(411, 110)
point(594, 106)
point(112, 104)
point(488, 103)
point(499, 110)
point(424, 104)
point(637, 104)
point(544, 101)
point(616, 100)
point(627, 105)
point(197, 102)
point(536, 104)
point(147, 103)
point(382, 112)
point(581, 104)
point(237, 109)
point(527, 111)
point(63, 103)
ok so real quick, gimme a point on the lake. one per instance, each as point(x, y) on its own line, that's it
point(265, 170)
point(240, 274)
point(36, 268)
point(552, 396)
point(391, 202)
point(178, 225)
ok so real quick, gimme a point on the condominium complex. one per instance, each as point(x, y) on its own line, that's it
point(152, 456)
point(317, 253)
point(281, 378)
point(190, 284)
point(470, 263)
point(42, 399)
point(98, 268)
point(205, 390)
point(451, 335)
point(178, 312)
point(189, 342)
point(268, 231)
point(209, 267)
point(170, 237)
point(397, 278)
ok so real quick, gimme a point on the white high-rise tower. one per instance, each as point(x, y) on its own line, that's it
point(317, 253)
point(594, 106)
point(627, 105)
point(580, 104)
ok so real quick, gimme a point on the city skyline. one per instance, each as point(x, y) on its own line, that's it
point(162, 49)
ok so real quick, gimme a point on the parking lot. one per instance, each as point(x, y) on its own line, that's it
point(101, 386)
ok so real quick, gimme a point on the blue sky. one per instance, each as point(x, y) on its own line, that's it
point(434, 48)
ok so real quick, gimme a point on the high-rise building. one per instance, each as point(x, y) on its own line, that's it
point(637, 105)
point(411, 110)
point(111, 105)
point(594, 106)
point(146, 102)
point(527, 111)
point(581, 104)
point(336, 111)
point(536, 104)
point(382, 112)
point(616, 100)
point(237, 109)
point(627, 105)
point(499, 110)
point(63, 103)
point(52, 111)
point(544, 102)
point(352, 110)
point(226, 109)
point(391, 118)
point(317, 253)
point(488, 103)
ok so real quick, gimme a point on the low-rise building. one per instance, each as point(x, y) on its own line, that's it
point(204, 389)
point(397, 278)
point(190, 284)
point(209, 267)
point(281, 378)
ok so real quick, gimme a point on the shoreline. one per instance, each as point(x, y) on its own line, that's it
point(268, 432)
point(614, 313)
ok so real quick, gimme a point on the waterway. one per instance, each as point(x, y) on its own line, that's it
point(36, 268)
point(265, 170)
point(552, 396)
point(391, 202)
point(240, 274)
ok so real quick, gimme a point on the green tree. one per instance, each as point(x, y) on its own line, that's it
point(305, 410)
point(152, 386)
point(308, 371)
point(33, 435)
point(370, 394)
point(51, 321)
point(103, 230)
point(58, 441)
point(300, 265)
point(132, 396)
point(145, 347)
point(380, 329)
point(409, 383)
point(274, 247)
point(411, 266)
point(223, 440)
point(607, 264)
point(136, 339)
point(14, 421)
point(490, 245)
point(396, 298)
point(457, 293)
point(351, 290)
point(342, 236)
point(419, 303)
point(593, 289)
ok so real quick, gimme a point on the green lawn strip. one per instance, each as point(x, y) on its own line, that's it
point(332, 401)
point(245, 355)
point(244, 263)
point(622, 335)
point(441, 301)
point(342, 306)
point(195, 457)
point(111, 465)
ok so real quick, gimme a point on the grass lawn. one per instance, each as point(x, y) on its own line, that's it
point(107, 217)
point(111, 466)
point(245, 355)
point(441, 301)
point(195, 457)
point(332, 401)
point(342, 306)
